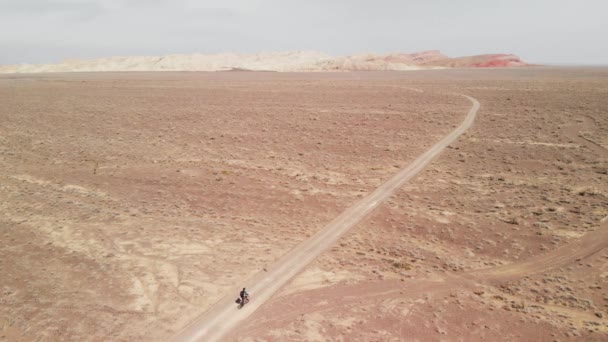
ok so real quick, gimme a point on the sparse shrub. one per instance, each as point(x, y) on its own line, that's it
point(402, 265)
point(512, 220)
point(590, 191)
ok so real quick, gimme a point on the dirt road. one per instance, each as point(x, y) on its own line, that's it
point(582, 248)
point(350, 294)
point(225, 315)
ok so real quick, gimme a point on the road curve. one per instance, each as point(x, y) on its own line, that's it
point(582, 248)
point(224, 315)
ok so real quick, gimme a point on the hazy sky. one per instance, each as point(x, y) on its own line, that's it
point(539, 31)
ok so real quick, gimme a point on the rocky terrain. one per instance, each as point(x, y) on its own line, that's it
point(132, 201)
point(272, 61)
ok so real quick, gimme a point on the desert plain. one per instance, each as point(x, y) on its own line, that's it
point(130, 203)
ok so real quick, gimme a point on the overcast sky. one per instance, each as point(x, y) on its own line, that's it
point(539, 31)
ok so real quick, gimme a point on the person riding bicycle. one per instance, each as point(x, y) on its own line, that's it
point(244, 295)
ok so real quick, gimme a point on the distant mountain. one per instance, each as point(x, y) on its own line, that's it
point(298, 61)
point(479, 61)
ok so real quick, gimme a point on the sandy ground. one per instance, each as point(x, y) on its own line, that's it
point(132, 202)
point(503, 238)
point(225, 317)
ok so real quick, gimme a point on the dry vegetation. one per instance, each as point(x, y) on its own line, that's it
point(130, 202)
point(520, 190)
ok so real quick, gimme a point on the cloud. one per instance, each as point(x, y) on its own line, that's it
point(36, 7)
point(50, 30)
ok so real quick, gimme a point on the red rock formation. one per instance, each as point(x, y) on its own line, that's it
point(479, 61)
